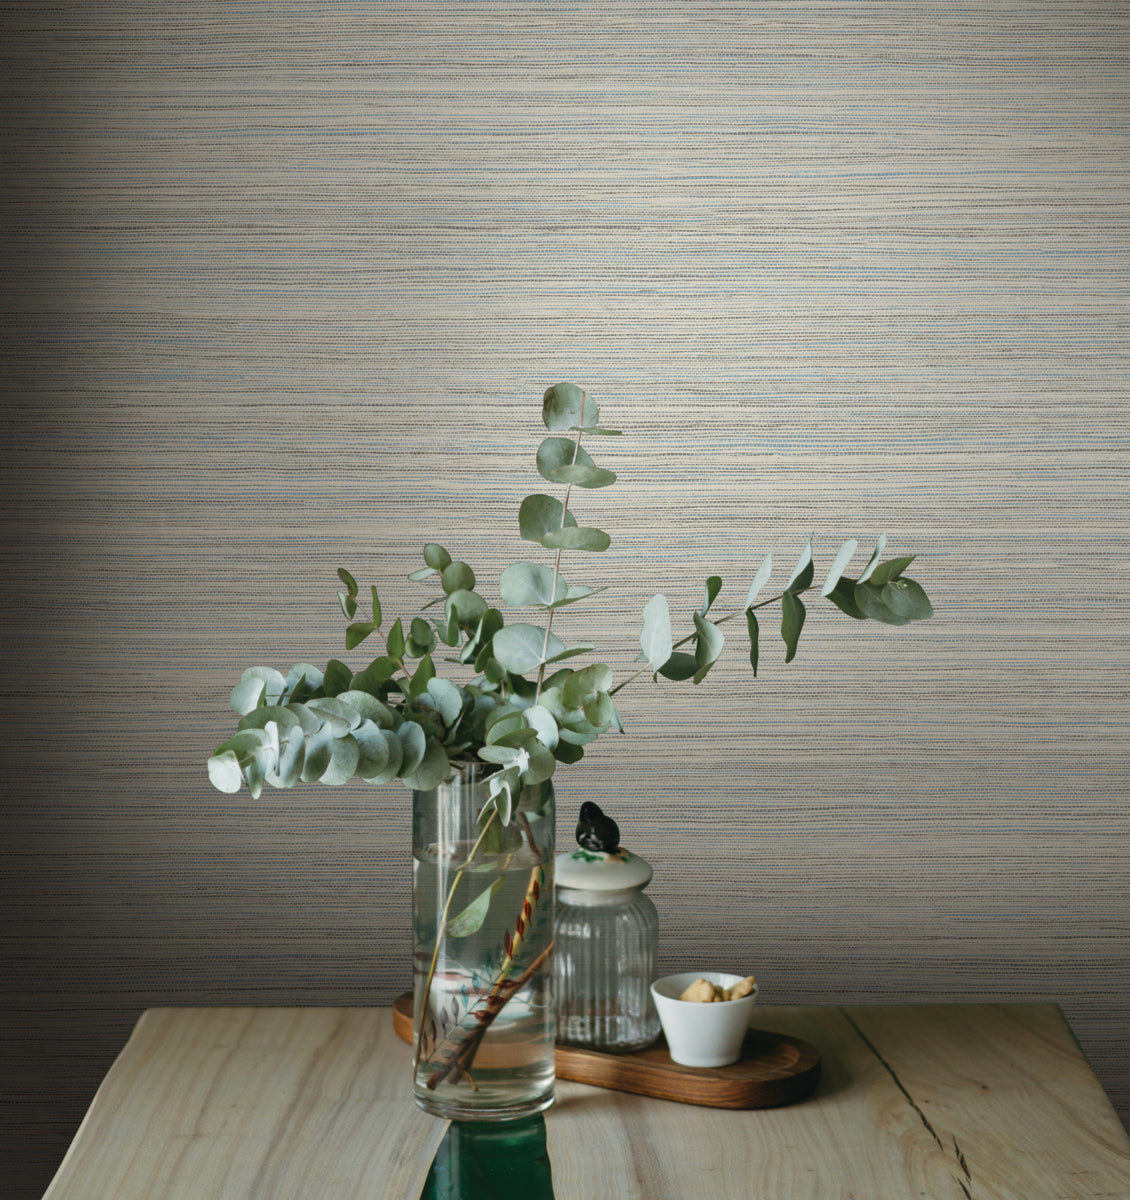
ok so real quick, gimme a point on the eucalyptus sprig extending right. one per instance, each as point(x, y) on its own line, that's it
point(465, 685)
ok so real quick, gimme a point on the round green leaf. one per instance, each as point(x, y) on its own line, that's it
point(457, 576)
point(577, 539)
point(434, 768)
point(539, 515)
point(565, 406)
point(519, 647)
point(530, 583)
point(906, 598)
point(870, 601)
point(224, 772)
point(541, 721)
point(436, 556)
point(465, 608)
point(556, 453)
point(343, 761)
point(447, 698)
point(257, 684)
point(414, 744)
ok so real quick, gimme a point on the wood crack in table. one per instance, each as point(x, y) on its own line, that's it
point(930, 1102)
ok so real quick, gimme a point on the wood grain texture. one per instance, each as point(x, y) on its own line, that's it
point(941, 1102)
point(282, 284)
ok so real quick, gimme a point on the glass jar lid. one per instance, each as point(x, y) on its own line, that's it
point(600, 863)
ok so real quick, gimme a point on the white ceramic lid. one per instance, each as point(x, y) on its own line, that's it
point(599, 871)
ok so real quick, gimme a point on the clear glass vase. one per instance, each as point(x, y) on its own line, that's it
point(483, 934)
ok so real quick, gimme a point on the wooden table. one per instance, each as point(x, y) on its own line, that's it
point(953, 1102)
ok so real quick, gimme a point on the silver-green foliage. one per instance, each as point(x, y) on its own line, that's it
point(516, 708)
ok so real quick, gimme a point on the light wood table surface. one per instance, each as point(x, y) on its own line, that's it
point(948, 1102)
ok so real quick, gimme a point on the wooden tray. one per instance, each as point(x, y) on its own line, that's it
point(773, 1070)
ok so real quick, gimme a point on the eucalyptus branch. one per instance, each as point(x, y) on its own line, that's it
point(442, 929)
point(340, 723)
point(557, 556)
point(720, 621)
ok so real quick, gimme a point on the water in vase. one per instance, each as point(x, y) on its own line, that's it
point(483, 996)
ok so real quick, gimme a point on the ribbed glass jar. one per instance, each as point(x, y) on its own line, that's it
point(604, 963)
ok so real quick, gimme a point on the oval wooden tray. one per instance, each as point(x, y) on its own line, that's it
point(773, 1070)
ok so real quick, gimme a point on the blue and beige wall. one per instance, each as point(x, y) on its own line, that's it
point(284, 283)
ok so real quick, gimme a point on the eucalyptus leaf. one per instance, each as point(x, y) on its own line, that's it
point(656, 640)
point(502, 786)
point(421, 638)
point(523, 584)
point(369, 707)
point(843, 597)
point(891, 569)
point(556, 452)
point(471, 919)
point(573, 594)
point(358, 632)
point(751, 625)
point(317, 754)
point(569, 652)
point(348, 580)
point(338, 677)
point(708, 646)
point(539, 515)
point(292, 753)
point(577, 539)
point(802, 572)
point(880, 545)
point(760, 579)
point(679, 666)
point(422, 573)
point(348, 605)
point(599, 711)
point(871, 602)
point(394, 642)
point(465, 608)
point(376, 608)
point(448, 699)
point(374, 677)
point(792, 622)
point(434, 768)
point(565, 406)
point(341, 716)
point(542, 722)
point(372, 746)
point(425, 673)
point(713, 587)
point(457, 576)
point(839, 565)
point(436, 556)
point(302, 680)
point(343, 761)
point(905, 598)
point(583, 476)
point(414, 743)
point(585, 684)
point(260, 718)
point(224, 771)
point(258, 685)
point(519, 648)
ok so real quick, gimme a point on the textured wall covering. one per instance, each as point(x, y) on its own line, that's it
point(283, 285)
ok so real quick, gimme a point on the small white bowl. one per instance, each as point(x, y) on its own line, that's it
point(702, 1035)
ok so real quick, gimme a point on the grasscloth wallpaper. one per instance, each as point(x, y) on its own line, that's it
point(284, 283)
